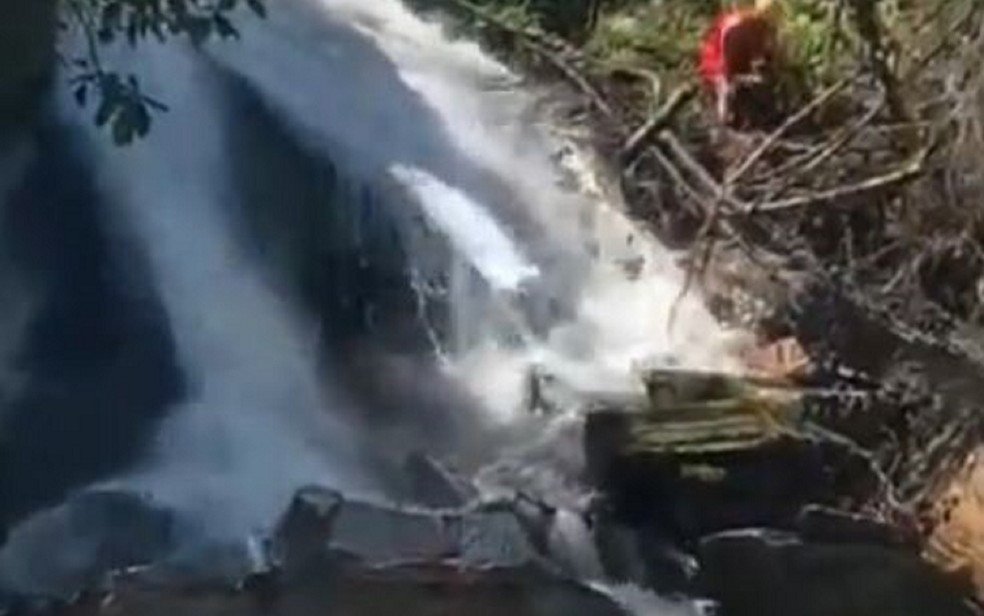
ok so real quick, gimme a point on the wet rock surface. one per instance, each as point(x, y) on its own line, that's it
point(327, 555)
point(338, 586)
point(712, 491)
point(686, 507)
point(432, 485)
point(761, 573)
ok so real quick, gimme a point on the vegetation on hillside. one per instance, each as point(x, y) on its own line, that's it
point(857, 216)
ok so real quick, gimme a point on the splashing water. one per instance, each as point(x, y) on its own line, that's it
point(473, 233)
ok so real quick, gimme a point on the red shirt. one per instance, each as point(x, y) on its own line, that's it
point(735, 44)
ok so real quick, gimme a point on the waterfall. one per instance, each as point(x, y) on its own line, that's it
point(400, 106)
point(533, 261)
point(452, 126)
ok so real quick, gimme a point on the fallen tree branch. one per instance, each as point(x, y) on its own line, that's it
point(906, 173)
point(673, 171)
point(818, 101)
point(659, 120)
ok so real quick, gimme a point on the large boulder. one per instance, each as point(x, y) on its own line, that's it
point(705, 452)
point(764, 573)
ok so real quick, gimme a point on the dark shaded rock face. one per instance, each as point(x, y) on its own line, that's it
point(337, 243)
point(330, 236)
point(763, 573)
point(95, 361)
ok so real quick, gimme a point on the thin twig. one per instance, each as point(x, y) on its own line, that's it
point(906, 173)
point(657, 122)
point(819, 101)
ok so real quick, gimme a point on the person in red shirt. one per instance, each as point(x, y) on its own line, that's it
point(738, 57)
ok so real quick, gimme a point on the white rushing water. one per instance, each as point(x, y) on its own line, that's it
point(255, 426)
point(392, 93)
point(473, 233)
point(398, 103)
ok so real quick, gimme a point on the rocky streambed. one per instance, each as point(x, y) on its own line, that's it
point(710, 487)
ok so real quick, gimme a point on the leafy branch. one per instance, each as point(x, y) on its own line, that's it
point(122, 105)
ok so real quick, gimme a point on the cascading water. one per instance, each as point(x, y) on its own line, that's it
point(254, 391)
point(459, 140)
point(533, 263)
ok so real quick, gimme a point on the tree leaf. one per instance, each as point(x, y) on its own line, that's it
point(198, 29)
point(122, 130)
point(106, 110)
point(224, 27)
point(111, 15)
point(81, 94)
point(257, 7)
point(141, 119)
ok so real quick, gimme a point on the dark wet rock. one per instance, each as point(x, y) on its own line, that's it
point(693, 494)
point(307, 526)
point(707, 452)
point(381, 535)
point(60, 551)
point(430, 484)
point(204, 563)
point(765, 573)
point(822, 524)
point(645, 557)
point(348, 588)
point(330, 555)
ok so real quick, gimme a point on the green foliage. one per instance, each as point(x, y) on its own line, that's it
point(661, 37)
point(664, 36)
point(120, 103)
